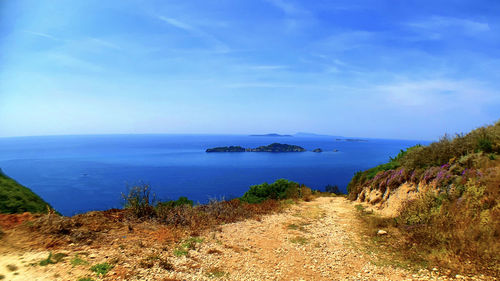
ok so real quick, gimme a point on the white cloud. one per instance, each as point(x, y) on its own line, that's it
point(41, 34)
point(345, 40)
point(438, 94)
point(267, 67)
point(287, 7)
point(260, 85)
point(74, 62)
point(296, 16)
point(219, 46)
point(178, 24)
point(103, 43)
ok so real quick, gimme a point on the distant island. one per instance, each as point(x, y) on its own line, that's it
point(318, 150)
point(277, 147)
point(271, 135)
point(299, 134)
point(352, 140)
point(227, 149)
point(274, 147)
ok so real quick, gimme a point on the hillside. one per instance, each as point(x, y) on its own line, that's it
point(15, 198)
point(443, 198)
point(322, 239)
point(277, 231)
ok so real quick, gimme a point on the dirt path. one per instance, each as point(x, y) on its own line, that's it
point(316, 240)
point(312, 241)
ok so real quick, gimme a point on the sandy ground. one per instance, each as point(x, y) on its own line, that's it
point(318, 240)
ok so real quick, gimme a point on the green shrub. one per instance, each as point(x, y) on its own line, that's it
point(53, 259)
point(188, 244)
point(333, 189)
point(280, 189)
point(173, 203)
point(485, 145)
point(101, 269)
point(78, 261)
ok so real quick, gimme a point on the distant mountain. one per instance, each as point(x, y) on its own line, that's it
point(303, 134)
point(299, 134)
point(352, 140)
point(271, 135)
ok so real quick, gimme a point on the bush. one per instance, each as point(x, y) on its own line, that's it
point(259, 200)
point(485, 145)
point(333, 189)
point(280, 189)
point(139, 201)
point(173, 203)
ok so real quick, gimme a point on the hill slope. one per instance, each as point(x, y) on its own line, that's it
point(15, 198)
point(444, 198)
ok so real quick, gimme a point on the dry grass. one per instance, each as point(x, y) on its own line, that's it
point(458, 229)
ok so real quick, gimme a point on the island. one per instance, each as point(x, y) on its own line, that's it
point(277, 147)
point(352, 140)
point(227, 149)
point(274, 147)
point(318, 150)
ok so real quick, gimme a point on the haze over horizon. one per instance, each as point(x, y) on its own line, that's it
point(371, 69)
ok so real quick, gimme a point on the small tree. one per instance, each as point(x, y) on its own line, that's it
point(140, 201)
point(333, 189)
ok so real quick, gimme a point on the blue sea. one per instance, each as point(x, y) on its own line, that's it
point(76, 174)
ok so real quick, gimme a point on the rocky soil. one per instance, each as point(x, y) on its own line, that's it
point(318, 240)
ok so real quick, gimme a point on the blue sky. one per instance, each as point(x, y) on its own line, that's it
point(384, 69)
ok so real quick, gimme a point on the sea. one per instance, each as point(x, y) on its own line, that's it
point(76, 174)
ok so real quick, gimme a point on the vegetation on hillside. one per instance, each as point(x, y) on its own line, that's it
point(278, 147)
point(259, 199)
point(456, 217)
point(176, 218)
point(466, 150)
point(15, 198)
point(226, 149)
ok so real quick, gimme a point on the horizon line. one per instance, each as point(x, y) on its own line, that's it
point(208, 134)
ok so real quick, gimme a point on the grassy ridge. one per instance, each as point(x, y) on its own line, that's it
point(466, 149)
point(15, 198)
point(456, 219)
